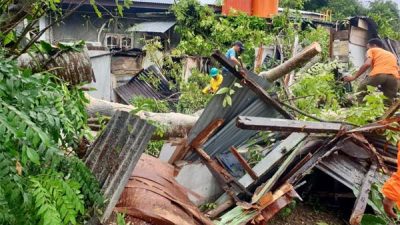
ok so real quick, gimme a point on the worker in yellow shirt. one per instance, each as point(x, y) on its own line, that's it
point(384, 70)
point(215, 81)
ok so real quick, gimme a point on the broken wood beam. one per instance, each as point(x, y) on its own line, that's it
point(293, 63)
point(294, 169)
point(323, 151)
point(270, 211)
point(244, 163)
point(270, 161)
point(392, 110)
point(254, 86)
point(272, 124)
point(220, 209)
point(363, 195)
point(271, 181)
point(197, 142)
point(227, 182)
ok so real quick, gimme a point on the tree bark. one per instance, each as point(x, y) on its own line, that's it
point(293, 63)
point(176, 124)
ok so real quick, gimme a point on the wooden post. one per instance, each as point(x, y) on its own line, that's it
point(244, 163)
point(363, 195)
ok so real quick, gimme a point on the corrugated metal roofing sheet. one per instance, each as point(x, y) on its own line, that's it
point(153, 195)
point(115, 153)
point(152, 27)
point(140, 86)
point(244, 102)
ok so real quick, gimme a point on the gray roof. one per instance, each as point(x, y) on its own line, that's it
point(153, 27)
point(170, 2)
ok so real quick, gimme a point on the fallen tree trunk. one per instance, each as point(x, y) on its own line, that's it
point(176, 124)
point(293, 63)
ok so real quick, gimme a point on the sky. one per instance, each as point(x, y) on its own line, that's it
point(397, 1)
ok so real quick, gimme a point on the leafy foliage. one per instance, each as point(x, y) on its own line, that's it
point(39, 118)
point(150, 105)
point(154, 148)
point(353, 7)
point(320, 35)
point(296, 4)
point(325, 97)
point(202, 31)
point(192, 99)
point(387, 15)
point(228, 92)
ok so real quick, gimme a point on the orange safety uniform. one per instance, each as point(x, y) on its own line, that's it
point(383, 62)
point(391, 189)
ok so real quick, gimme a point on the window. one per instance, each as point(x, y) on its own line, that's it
point(118, 41)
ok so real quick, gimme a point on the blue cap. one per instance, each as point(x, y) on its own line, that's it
point(213, 72)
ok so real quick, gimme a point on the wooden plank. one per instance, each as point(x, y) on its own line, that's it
point(272, 124)
point(362, 24)
point(197, 142)
point(244, 163)
point(341, 35)
point(362, 198)
point(392, 110)
point(358, 36)
point(282, 168)
point(269, 161)
point(323, 151)
point(274, 157)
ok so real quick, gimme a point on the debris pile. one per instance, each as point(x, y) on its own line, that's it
point(156, 193)
point(351, 155)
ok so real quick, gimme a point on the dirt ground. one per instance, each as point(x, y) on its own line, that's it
point(304, 214)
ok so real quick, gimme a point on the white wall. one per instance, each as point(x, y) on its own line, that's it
point(357, 54)
point(102, 71)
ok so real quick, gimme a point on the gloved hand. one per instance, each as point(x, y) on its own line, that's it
point(388, 205)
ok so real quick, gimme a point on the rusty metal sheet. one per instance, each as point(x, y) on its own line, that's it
point(115, 153)
point(153, 195)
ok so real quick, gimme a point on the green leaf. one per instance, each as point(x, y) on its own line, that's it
point(223, 90)
point(228, 100)
point(95, 8)
point(373, 220)
point(238, 85)
point(46, 47)
point(10, 37)
point(33, 156)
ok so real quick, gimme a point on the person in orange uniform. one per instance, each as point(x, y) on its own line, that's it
point(391, 190)
point(384, 70)
point(215, 81)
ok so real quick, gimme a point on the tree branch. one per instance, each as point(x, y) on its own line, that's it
point(31, 42)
